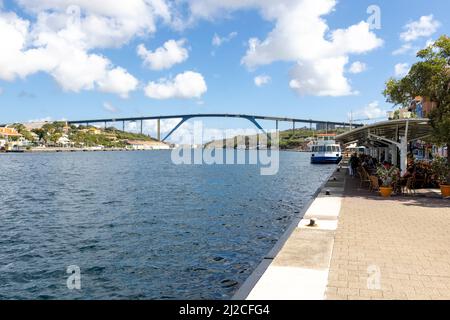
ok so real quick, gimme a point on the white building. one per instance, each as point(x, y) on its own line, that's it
point(64, 141)
point(147, 145)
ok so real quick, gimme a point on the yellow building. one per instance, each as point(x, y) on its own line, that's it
point(95, 131)
point(5, 135)
point(9, 132)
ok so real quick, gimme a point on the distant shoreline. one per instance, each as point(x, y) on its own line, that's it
point(70, 150)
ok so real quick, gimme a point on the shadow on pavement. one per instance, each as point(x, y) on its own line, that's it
point(423, 199)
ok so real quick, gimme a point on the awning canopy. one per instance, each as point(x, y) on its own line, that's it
point(390, 134)
point(392, 130)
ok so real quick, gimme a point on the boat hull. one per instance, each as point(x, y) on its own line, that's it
point(325, 160)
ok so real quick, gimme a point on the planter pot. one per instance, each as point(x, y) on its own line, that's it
point(386, 191)
point(445, 190)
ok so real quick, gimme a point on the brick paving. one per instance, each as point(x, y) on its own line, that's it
point(397, 248)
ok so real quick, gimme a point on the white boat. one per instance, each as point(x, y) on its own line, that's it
point(354, 148)
point(326, 150)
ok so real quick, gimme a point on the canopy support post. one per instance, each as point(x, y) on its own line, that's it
point(403, 146)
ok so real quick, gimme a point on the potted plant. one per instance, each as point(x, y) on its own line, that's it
point(388, 177)
point(441, 171)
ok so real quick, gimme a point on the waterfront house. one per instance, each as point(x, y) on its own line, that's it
point(419, 107)
point(422, 107)
point(8, 138)
point(146, 145)
point(3, 143)
point(92, 130)
point(95, 131)
point(6, 132)
point(64, 142)
point(22, 142)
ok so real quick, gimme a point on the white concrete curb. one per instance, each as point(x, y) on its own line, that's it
point(299, 271)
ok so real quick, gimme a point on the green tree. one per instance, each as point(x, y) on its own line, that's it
point(42, 134)
point(430, 77)
point(23, 131)
point(54, 137)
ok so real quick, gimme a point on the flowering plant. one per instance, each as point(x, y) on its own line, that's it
point(388, 176)
point(441, 170)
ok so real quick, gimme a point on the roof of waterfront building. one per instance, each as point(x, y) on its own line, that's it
point(9, 132)
point(140, 142)
point(392, 129)
point(145, 143)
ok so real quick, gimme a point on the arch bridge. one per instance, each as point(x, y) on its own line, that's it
point(185, 117)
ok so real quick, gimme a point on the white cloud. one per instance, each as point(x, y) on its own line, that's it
point(357, 67)
point(424, 27)
point(324, 77)
point(184, 86)
point(217, 41)
point(409, 48)
point(405, 48)
point(63, 42)
point(300, 35)
point(262, 80)
point(60, 37)
point(371, 111)
point(171, 53)
point(401, 69)
point(109, 107)
point(118, 81)
point(104, 26)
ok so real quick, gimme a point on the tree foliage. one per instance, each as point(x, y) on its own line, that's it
point(23, 131)
point(82, 136)
point(429, 77)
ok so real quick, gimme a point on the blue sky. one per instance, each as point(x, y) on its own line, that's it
point(306, 72)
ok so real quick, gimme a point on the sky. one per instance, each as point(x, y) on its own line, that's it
point(313, 59)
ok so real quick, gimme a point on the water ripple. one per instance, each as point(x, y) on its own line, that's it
point(140, 227)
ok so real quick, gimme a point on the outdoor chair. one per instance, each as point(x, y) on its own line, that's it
point(397, 188)
point(364, 176)
point(374, 184)
point(410, 186)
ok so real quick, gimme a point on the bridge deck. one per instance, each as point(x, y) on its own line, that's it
point(214, 115)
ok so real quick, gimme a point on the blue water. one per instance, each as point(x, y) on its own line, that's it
point(140, 227)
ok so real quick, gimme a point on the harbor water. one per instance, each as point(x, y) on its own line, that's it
point(139, 226)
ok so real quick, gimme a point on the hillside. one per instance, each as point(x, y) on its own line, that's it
point(57, 133)
point(289, 139)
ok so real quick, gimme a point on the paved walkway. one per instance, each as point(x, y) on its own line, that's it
point(297, 268)
point(390, 249)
